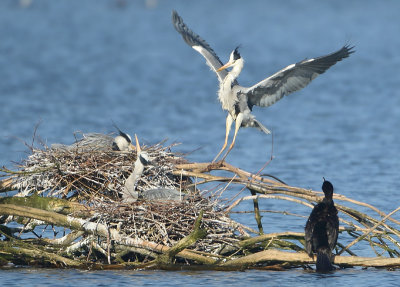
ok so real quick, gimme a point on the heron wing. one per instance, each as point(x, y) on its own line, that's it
point(293, 78)
point(197, 43)
point(93, 142)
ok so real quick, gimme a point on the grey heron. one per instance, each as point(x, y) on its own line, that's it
point(238, 100)
point(322, 228)
point(130, 194)
point(99, 142)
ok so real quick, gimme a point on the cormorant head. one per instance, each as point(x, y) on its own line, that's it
point(233, 59)
point(327, 188)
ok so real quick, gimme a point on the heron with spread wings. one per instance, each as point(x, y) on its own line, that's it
point(238, 100)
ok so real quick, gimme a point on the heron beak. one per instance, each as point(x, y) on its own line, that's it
point(227, 65)
point(131, 146)
point(138, 150)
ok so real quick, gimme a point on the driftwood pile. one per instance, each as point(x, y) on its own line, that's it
point(63, 208)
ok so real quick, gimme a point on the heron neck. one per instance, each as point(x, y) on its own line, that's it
point(139, 167)
point(130, 192)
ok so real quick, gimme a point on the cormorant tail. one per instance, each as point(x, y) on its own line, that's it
point(324, 260)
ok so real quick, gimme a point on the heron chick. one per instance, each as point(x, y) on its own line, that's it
point(238, 100)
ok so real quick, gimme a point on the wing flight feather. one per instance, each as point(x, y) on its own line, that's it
point(200, 45)
point(293, 78)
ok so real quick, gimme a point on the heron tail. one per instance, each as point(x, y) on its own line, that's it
point(261, 127)
point(324, 260)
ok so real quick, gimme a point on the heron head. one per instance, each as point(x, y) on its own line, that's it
point(142, 155)
point(123, 143)
point(235, 55)
point(144, 158)
point(233, 59)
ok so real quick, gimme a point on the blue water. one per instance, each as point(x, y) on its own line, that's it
point(79, 65)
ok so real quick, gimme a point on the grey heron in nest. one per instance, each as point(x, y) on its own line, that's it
point(99, 142)
point(238, 100)
point(130, 194)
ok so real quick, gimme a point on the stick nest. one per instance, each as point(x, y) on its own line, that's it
point(96, 179)
point(92, 175)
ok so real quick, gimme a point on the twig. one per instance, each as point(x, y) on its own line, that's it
point(369, 230)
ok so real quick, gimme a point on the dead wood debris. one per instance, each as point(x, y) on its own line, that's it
point(73, 211)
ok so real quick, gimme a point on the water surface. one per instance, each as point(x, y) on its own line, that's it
point(77, 65)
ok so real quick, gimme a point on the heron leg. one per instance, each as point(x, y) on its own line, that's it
point(229, 121)
point(238, 123)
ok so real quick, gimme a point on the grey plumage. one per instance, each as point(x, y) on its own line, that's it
point(96, 142)
point(238, 100)
point(195, 40)
point(292, 78)
point(162, 194)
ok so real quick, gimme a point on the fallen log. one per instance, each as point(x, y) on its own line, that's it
point(303, 258)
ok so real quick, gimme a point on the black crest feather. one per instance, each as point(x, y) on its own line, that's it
point(122, 134)
point(236, 54)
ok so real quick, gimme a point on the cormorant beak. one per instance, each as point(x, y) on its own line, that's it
point(227, 65)
point(138, 149)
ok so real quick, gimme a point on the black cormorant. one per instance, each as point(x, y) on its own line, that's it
point(322, 229)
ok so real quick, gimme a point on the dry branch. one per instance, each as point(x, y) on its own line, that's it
point(36, 255)
point(197, 234)
point(303, 258)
